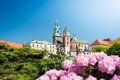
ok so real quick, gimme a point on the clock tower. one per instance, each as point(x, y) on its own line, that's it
point(66, 41)
point(57, 33)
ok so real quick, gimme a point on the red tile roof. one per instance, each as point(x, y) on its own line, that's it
point(118, 39)
point(104, 42)
point(12, 44)
point(100, 42)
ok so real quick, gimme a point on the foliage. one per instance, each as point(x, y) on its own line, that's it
point(26, 63)
point(100, 49)
point(114, 49)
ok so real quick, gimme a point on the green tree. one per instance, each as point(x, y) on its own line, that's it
point(26, 63)
point(114, 49)
point(100, 48)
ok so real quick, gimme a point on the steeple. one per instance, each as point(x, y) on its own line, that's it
point(57, 29)
point(66, 32)
point(74, 36)
point(66, 40)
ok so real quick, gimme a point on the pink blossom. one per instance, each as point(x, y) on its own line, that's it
point(100, 56)
point(53, 77)
point(62, 72)
point(77, 69)
point(92, 59)
point(43, 77)
point(107, 65)
point(82, 60)
point(115, 77)
point(67, 64)
point(91, 78)
point(71, 76)
point(116, 60)
point(52, 72)
point(63, 78)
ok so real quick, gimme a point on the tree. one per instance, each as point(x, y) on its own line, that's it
point(100, 48)
point(114, 49)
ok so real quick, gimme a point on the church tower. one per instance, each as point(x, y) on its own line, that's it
point(66, 41)
point(57, 33)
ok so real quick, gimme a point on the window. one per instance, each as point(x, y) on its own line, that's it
point(32, 45)
point(67, 42)
point(37, 45)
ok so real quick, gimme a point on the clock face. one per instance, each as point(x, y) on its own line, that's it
point(57, 31)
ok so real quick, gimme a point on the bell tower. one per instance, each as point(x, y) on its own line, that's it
point(57, 29)
point(66, 41)
point(57, 33)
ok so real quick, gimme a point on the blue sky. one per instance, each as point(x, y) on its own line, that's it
point(26, 20)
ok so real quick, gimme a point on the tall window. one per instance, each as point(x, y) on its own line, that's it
point(33, 45)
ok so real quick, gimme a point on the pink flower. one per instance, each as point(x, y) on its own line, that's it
point(82, 60)
point(107, 65)
point(53, 77)
point(52, 72)
point(67, 64)
point(92, 59)
point(115, 77)
point(71, 76)
point(63, 78)
point(91, 78)
point(100, 56)
point(62, 72)
point(43, 77)
point(77, 69)
point(116, 60)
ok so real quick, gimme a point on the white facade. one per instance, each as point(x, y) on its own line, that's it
point(67, 50)
point(83, 45)
point(43, 45)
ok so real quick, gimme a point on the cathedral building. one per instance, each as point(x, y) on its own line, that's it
point(70, 45)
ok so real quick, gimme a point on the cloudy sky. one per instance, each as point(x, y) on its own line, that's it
point(26, 20)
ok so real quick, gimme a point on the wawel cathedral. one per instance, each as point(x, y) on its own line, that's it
point(70, 45)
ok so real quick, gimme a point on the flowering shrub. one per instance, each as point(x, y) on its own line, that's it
point(67, 64)
point(92, 66)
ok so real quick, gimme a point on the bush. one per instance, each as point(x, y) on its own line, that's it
point(3, 58)
point(114, 49)
point(92, 66)
point(100, 49)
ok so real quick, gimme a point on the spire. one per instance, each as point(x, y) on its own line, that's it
point(66, 32)
point(57, 29)
point(66, 29)
point(57, 24)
